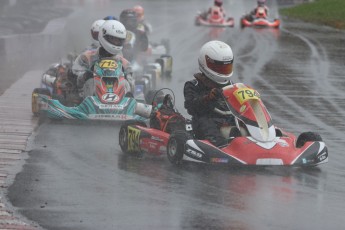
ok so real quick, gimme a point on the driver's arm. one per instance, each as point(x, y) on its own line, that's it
point(194, 100)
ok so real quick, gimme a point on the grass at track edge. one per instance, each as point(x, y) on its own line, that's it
point(324, 12)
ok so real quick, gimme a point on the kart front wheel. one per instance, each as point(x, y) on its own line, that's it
point(307, 136)
point(34, 99)
point(176, 147)
point(123, 139)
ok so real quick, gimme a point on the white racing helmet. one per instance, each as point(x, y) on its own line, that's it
point(96, 25)
point(112, 36)
point(215, 61)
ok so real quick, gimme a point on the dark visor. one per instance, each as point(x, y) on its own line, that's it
point(221, 67)
point(114, 40)
point(94, 35)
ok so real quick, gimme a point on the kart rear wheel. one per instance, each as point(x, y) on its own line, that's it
point(176, 146)
point(34, 99)
point(307, 136)
point(123, 136)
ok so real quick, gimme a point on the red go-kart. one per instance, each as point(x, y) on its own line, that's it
point(253, 141)
point(259, 20)
point(213, 19)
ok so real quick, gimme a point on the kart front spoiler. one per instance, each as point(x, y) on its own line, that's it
point(90, 109)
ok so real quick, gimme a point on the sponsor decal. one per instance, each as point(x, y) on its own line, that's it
point(157, 138)
point(103, 106)
point(110, 97)
point(322, 157)
point(243, 107)
point(133, 139)
point(219, 160)
point(308, 161)
point(282, 143)
point(189, 127)
point(194, 153)
point(269, 161)
point(109, 116)
point(153, 145)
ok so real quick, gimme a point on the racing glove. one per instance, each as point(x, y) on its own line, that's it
point(213, 95)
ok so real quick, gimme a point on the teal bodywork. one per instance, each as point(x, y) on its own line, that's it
point(90, 109)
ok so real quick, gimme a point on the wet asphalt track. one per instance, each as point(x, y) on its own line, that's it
point(78, 178)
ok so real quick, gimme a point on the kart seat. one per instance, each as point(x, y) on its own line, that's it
point(166, 118)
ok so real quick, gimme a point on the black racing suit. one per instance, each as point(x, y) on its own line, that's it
point(205, 121)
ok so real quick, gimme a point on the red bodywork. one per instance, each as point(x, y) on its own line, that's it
point(155, 143)
point(249, 152)
point(214, 19)
point(277, 148)
point(259, 20)
point(260, 23)
point(110, 93)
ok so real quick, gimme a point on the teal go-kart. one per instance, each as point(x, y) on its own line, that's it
point(105, 96)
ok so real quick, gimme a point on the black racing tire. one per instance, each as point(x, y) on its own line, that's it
point(176, 146)
point(307, 136)
point(123, 138)
point(123, 135)
point(34, 103)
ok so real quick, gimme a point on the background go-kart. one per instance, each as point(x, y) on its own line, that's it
point(76, 176)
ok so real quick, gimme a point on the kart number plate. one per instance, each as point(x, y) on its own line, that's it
point(244, 94)
point(108, 64)
point(133, 139)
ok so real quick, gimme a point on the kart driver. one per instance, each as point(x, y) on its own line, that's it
point(94, 33)
point(202, 94)
point(142, 24)
point(256, 13)
point(111, 37)
point(137, 40)
point(216, 9)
